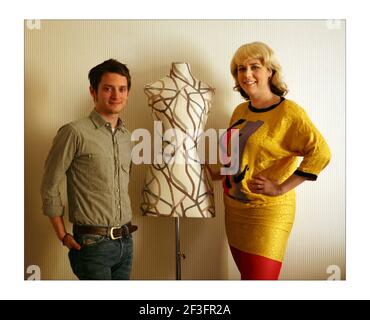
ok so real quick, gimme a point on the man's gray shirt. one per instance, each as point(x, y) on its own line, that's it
point(97, 163)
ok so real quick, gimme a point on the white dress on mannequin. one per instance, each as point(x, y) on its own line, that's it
point(181, 188)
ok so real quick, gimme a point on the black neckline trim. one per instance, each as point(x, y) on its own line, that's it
point(254, 109)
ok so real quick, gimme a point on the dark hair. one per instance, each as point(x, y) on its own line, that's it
point(110, 65)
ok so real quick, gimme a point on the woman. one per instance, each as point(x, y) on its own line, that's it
point(273, 133)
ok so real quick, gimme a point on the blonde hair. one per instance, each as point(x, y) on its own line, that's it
point(261, 51)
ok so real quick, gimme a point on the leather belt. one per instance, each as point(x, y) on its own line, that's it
point(111, 232)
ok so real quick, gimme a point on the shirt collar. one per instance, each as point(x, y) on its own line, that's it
point(99, 121)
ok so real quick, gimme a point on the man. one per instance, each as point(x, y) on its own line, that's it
point(95, 154)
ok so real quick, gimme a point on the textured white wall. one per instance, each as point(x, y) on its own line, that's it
point(58, 57)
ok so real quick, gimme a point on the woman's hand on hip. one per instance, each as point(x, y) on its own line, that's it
point(262, 185)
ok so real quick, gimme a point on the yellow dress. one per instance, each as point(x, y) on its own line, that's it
point(271, 141)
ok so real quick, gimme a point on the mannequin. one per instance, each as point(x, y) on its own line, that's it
point(179, 185)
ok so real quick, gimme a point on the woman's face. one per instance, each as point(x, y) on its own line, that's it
point(253, 78)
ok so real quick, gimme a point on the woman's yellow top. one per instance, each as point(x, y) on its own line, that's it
point(271, 140)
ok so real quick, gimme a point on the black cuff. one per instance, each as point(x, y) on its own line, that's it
point(309, 176)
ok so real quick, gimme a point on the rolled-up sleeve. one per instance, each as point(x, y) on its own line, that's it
point(57, 163)
point(310, 144)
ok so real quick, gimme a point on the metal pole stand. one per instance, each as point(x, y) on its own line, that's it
point(179, 255)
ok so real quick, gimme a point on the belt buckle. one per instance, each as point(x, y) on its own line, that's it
point(111, 233)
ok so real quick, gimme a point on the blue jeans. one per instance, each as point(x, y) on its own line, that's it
point(101, 258)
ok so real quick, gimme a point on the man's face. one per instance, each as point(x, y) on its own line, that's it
point(112, 94)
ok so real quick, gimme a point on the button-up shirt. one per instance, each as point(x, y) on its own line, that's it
point(96, 161)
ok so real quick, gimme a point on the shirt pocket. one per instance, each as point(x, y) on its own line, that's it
point(96, 170)
point(125, 176)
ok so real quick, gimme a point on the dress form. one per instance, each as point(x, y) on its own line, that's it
point(180, 185)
